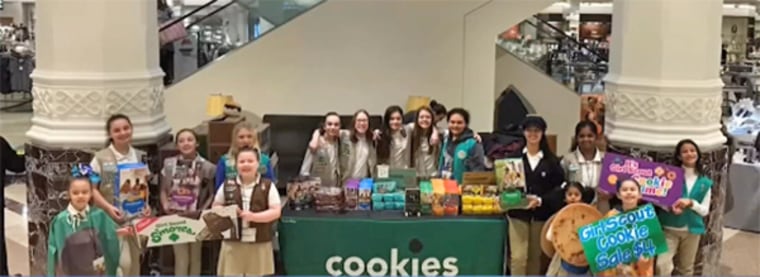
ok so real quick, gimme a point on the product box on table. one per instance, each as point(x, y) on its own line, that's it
point(480, 195)
point(412, 201)
point(451, 198)
point(329, 199)
point(426, 197)
point(212, 224)
point(387, 195)
point(365, 194)
point(301, 192)
point(439, 191)
point(131, 189)
point(403, 177)
point(351, 191)
point(510, 177)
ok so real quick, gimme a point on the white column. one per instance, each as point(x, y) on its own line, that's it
point(95, 59)
point(664, 83)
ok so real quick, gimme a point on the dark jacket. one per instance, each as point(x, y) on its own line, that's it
point(545, 182)
point(10, 161)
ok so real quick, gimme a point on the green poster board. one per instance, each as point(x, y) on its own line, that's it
point(622, 239)
point(392, 247)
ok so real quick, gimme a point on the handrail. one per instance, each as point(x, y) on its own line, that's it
point(212, 13)
point(581, 44)
point(185, 16)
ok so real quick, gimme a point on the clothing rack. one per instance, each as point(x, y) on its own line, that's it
point(16, 65)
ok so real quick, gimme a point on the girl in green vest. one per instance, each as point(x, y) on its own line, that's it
point(684, 224)
point(461, 152)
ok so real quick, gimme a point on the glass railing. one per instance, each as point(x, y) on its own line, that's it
point(217, 28)
point(556, 54)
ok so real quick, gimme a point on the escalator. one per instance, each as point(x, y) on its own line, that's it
point(552, 52)
point(220, 26)
point(550, 71)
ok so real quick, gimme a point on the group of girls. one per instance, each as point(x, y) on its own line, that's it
point(243, 177)
point(579, 171)
point(335, 155)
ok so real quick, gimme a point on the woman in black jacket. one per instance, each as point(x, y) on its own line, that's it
point(543, 178)
point(11, 161)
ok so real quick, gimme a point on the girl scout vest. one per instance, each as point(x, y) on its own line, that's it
point(461, 154)
point(259, 203)
point(689, 218)
point(108, 170)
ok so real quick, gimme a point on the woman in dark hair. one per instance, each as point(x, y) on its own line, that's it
point(322, 160)
point(461, 152)
point(424, 144)
point(584, 162)
point(683, 225)
point(543, 178)
point(105, 163)
point(439, 111)
point(358, 158)
point(393, 142)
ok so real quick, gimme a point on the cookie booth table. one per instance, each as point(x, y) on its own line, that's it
point(387, 243)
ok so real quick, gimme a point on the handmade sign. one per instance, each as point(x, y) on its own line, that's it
point(661, 184)
point(131, 189)
point(564, 231)
point(212, 224)
point(622, 239)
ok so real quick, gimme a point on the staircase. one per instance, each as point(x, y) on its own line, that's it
point(344, 55)
point(551, 70)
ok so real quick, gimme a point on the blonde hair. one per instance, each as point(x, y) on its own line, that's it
point(243, 125)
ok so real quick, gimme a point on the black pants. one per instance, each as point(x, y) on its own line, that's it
point(166, 60)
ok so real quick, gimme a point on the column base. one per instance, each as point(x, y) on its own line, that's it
point(48, 169)
point(716, 166)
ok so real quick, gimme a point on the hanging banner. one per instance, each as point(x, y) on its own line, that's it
point(623, 239)
point(661, 184)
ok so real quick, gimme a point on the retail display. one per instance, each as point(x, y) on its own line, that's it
point(300, 191)
point(451, 199)
point(329, 199)
point(365, 195)
point(387, 195)
point(351, 191)
point(480, 194)
point(412, 201)
point(426, 197)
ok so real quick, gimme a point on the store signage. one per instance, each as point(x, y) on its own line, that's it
point(661, 184)
point(392, 247)
point(212, 224)
point(623, 239)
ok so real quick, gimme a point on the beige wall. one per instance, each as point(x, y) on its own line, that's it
point(559, 105)
point(347, 54)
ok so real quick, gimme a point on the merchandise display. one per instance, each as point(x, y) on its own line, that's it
point(480, 194)
point(351, 190)
point(412, 201)
point(439, 191)
point(426, 197)
point(300, 191)
point(131, 189)
point(387, 195)
point(329, 199)
point(365, 195)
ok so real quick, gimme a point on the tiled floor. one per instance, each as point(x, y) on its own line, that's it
point(741, 250)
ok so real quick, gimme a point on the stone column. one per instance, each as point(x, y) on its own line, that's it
point(664, 86)
point(94, 59)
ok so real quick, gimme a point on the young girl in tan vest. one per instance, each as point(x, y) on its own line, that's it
point(258, 208)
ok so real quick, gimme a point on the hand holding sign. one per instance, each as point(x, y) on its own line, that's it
point(661, 184)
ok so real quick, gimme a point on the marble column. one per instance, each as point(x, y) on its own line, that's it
point(664, 86)
point(94, 59)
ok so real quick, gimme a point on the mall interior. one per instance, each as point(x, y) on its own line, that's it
point(648, 72)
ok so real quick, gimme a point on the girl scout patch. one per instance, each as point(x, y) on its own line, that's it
point(461, 154)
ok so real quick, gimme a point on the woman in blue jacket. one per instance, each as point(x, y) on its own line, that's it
point(683, 225)
point(461, 152)
point(243, 135)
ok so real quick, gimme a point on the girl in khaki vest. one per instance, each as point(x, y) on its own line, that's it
point(105, 162)
point(258, 205)
point(584, 163)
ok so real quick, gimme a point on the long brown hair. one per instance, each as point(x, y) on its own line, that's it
point(419, 134)
point(386, 139)
point(110, 121)
point(354, 134)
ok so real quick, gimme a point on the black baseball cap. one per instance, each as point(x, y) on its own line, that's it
point(534, 121)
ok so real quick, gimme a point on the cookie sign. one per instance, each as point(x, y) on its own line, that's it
point(622, 239)
point(178, 229)
point(661, 184)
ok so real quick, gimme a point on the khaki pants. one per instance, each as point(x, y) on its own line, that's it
point(187, 259)
point(129, 260)
point(682, 252)
point(525, 247)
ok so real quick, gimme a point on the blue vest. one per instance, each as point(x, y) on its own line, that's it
point(461, 154)
point(689, 218)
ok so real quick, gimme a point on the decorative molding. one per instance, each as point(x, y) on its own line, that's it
point(644, 114)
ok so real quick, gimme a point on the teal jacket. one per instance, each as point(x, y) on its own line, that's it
point(462, 155)
point(689, 218)
point(61, 228)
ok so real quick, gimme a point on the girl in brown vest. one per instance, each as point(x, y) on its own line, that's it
point(258, 205)
point(187, 186)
